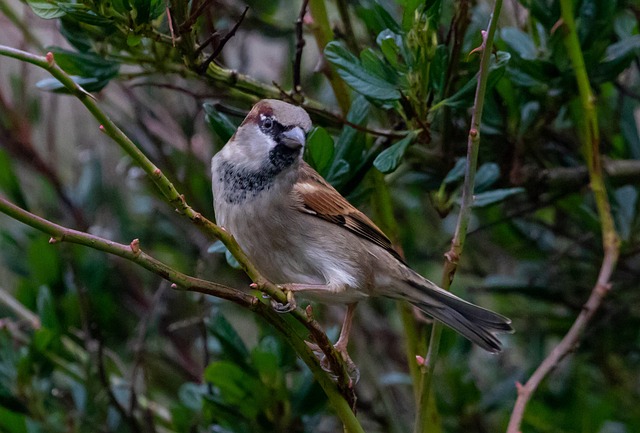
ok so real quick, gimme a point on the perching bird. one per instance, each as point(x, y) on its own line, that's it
point(303, 235)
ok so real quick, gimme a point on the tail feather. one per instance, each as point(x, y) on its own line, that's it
point(477, 324)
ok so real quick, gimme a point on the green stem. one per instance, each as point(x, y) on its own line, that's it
point(457, 243)
point(177, 200)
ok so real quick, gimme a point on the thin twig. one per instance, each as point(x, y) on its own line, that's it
point(189, 22)
point(457, 243)
point(203, 67)
point(297, 64)
point(106, 383)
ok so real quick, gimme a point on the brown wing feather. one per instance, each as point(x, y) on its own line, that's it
point(320, 199)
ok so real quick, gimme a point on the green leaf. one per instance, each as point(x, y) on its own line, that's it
point(320, 150)
point(237, 387)
point(339, 173)
point(389, 159)
point(356, 76)
point(457, 172)
point(626, 199)
point(520, 42)
point(133, 40)
point(46, 309)
point(143, 10)
point(46, 9)
point(351, 143)
point(494, 196)
point(11, 422)
point(9, 182)
point(265, 357)
point(230, 341)
point(87, 69)
point(486, 176)
point(463, 97)
point(219, 247)
point(219, 122)
point(80, 12)
point(84, 64)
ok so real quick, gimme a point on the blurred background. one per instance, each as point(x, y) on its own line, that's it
point(91, 342)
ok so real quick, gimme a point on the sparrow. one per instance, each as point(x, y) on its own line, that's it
point(303, 235)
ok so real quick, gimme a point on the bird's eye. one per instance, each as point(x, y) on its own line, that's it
point(267, 124)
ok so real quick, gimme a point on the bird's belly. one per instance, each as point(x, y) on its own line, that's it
point(298, 251)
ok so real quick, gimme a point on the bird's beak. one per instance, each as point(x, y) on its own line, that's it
point(294, 138)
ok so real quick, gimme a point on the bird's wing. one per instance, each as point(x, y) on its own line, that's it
point(316, 197)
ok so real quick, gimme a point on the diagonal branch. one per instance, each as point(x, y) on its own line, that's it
point(341, 396)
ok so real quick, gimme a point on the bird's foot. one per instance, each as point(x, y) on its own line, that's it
point(352, 368)
point(291, 304)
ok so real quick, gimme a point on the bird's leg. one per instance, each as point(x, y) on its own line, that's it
point(341, 347)
point(290, 289)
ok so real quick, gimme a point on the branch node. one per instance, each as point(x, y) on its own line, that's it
point(174, 286)
point(420, 360)
point(135, 246)
point(55, 240)
point(452, 256)
point(102, 129)
point(157, 172)
point(50, 60)
point(309, 312)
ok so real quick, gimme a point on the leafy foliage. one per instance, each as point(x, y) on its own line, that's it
point(90, 343)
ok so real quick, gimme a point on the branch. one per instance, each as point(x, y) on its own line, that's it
point(457, 243)
point(297, 64)
point(342, 396)
point(587, 123)
point(216, 52)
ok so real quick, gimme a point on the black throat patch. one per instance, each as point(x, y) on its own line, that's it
point(241, 184)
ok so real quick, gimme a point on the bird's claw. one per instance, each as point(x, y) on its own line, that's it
point(352, 369)
point(291, 304)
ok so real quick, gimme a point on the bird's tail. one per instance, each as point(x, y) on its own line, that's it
point(477, 324)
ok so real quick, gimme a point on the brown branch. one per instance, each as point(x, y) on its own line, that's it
point(297, 64)
point(203, 67)
point(189, 22)
point(568, 343)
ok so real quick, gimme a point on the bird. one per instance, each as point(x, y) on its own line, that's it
point(303, 235)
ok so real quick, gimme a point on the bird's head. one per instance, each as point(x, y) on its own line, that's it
point(271, 137)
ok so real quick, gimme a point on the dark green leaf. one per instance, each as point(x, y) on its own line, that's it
point(464, 96)
point(143, 10)
point(230, 342)
point(219, 122)
point(356, 76)
point(486, 176)
point(457, 172)
point(46, 309)
point(237, 387)
point(494, 196)
point(625, 209)
point(339, 173)
point(9, 182)
point(11, 422)
point(219, 247)
point(389, 159)
point(46, 9)
point(88, 65)
point(520, 42)
point(320, 150)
